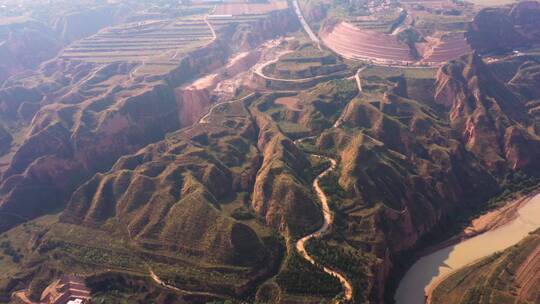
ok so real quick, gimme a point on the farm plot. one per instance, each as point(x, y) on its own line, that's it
point(235, 9)
point(157, 44)
point(228, 13)
point(354, 43)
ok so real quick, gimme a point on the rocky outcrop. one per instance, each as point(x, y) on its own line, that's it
point(490, 117)
point(26, 42)
point(414, 171)
point(254, 33)
point(194, 99)
point(503, 29)
point(24, 45)
point(82, 23)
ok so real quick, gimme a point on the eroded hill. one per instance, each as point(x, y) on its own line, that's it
point(171, 157)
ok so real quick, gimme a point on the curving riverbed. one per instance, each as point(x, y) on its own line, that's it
point(328, 216)
point(328, 220)
point(430, 269)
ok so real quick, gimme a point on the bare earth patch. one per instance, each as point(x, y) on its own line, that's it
point(290, 103)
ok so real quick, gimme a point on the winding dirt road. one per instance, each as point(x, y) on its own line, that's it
point(160, 282)
point(212, 30)
point(204, 119)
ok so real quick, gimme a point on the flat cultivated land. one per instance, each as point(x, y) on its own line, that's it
point(249, 8)
point(386, 72)
point(290, 103)
point(155, 43)
point(492, 2)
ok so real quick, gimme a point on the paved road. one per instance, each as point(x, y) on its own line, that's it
point(259, 71)
point(305, 25)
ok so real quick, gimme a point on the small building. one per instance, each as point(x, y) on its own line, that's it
point(69, 289)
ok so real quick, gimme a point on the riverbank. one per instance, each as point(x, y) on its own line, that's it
point(509, 276)
point(489, 221)
point(490, 233)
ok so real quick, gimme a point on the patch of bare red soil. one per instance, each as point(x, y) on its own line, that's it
point(194, 99)
point(290, 103)
point(447, 48)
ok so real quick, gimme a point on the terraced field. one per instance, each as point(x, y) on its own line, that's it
point(355, 43)
point(222, 20)
point(302, 68)
point(249, 8)
point(156, 43)
point(227, 13)
point(382, 22)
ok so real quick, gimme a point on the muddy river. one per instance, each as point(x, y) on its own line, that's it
point(431, 268)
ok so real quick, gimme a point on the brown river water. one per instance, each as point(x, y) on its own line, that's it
point(433, 267)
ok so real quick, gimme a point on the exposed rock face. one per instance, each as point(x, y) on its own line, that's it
point(24, 45)
point(27, 42)
point(193, 100)
point(505, 28)
point(413, 168)
point(67, 143)
point(192, 103)
point(490, 117)
point(173, 198)
point(76, 25)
